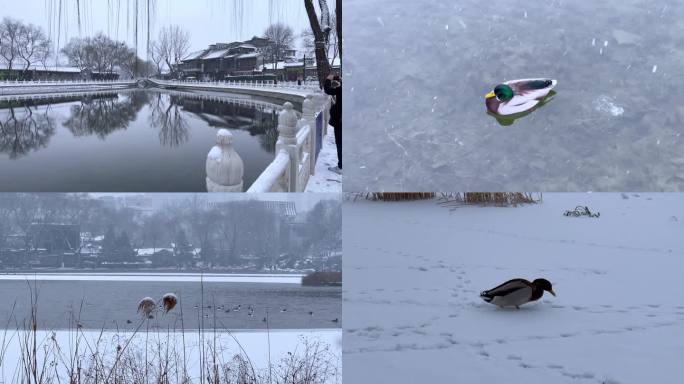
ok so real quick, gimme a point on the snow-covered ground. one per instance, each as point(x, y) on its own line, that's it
point(324, 180)
point(255, 344)
point(192, 277)
point(414, 270)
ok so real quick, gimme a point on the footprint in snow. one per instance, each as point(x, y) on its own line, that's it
point(514, 357)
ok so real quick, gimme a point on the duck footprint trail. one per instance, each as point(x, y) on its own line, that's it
point(425, 335)
point(434, 338)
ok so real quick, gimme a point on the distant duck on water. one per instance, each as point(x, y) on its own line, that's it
point(517, 292)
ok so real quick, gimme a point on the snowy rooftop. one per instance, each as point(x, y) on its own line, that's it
point(248, 55)
point(194, 55)
point(215, 54)
point(334, 63)
point(269, 66)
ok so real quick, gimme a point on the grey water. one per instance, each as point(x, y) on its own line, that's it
point(113, 305)
point(127, 141)
point(416, 73)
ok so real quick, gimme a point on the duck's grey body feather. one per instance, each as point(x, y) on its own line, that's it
point(516, 292)
point(515, 298)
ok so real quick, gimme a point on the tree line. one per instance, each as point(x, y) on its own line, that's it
point(213, 233)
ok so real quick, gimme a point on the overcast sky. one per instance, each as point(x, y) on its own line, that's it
point(207, 21)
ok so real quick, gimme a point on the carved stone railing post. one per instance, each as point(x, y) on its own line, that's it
point(326, 115)
point(323, 100)
point(224, 166)
point(287, 140)
point(309, 116)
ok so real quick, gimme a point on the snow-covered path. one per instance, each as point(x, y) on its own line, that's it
point(324, 180)
point(413, 272)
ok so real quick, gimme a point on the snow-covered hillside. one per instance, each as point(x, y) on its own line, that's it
point(413, 272)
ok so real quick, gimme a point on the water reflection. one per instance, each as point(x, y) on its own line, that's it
point(166, 116)
point(24, 129)
point(258, 121)
point(138, 140)
point(510, 119)
point(102, 115)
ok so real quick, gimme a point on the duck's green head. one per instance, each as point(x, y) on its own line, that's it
point(503, 92)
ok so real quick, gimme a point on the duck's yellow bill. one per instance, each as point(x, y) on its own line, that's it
point(490, 95)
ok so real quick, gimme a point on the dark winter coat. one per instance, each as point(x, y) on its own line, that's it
point(336, 109)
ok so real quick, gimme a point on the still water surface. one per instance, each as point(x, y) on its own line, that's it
point(111, 304)
point(132, 141)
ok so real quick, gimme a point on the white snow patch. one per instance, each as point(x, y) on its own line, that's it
point(325, 180)
point(414, 270)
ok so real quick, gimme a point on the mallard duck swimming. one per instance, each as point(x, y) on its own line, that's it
point(517, 96)
point(517, 292)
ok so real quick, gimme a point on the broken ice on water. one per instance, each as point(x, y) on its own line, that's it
point(607, 104)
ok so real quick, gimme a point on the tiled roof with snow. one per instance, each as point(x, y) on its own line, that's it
point(215, 54)
point(269, 66)
point(334, 63)
point(248, 55)
point(194, 55)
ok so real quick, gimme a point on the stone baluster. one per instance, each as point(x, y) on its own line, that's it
point(326, 113)
point(287, 140)
point(224, 167)
point(309, 116)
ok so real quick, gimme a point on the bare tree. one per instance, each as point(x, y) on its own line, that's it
point(338, 26)
point(281, 39)
point(173, 45)
point(76, 53)
point(322, 63)
point(102, 54)
point(332, 47)
point(9, 38)
point(33, 45)
point(157, 56)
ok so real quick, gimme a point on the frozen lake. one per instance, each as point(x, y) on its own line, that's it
point(416, 74)
point(112, 303)
point(414, 271)
point(132, 141)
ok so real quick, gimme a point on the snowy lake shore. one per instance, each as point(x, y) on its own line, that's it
point(414, 271)
point(152, 276)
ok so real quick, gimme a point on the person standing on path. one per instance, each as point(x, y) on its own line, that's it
point(333, 87)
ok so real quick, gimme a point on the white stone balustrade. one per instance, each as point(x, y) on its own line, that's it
point(224, 166)
point(296, 143)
